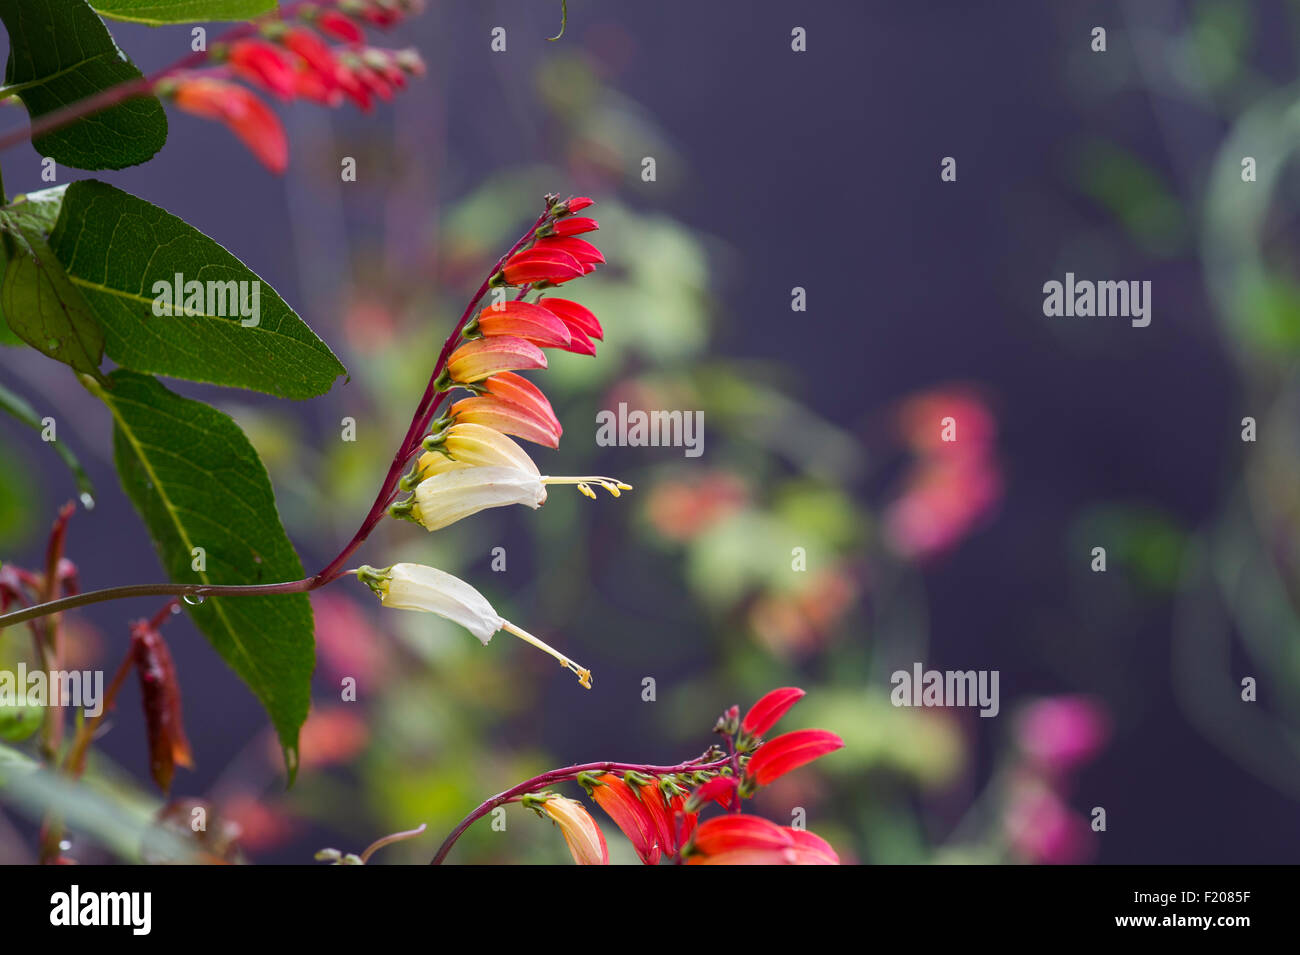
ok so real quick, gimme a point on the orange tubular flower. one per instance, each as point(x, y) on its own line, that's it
point(530, 322)
point(518, 390)
point(583, 836)
point(481, 358)
point(508, 418)
point(789, 751)
point(630, 814)
point(247, 116)
point(764, 714)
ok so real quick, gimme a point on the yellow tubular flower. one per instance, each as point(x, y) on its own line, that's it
point(475, 445)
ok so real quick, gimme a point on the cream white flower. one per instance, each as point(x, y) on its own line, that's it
point(427, 589)
point(446, 496)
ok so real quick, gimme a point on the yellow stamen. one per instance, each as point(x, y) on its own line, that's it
point(584, 675)
point(613, 485)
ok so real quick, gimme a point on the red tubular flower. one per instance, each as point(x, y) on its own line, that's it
point(763, 715)
point(720, 789)
point(588, 255)
point(577, 317)
point(790, 751)
point(508, 418)
point(750, 840)
point(574, 226)
point(380, 16)
point(812, 849)
point(669, 817)
point(574, 204)
point(314, 53)
point(735, 831)
point(373, 82)
point(353, 88)
point(337, 26)
point(579, 343)
point(263, 64)
point(530, 322)
point(247, 116)
point(482, 357)
point(630, 814)
point(161, 694)
point(539, 265)
point(684, 822)
point(314, 88)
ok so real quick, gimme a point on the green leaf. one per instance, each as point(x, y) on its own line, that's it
point(60, 52)
point(116, 248)
point(17, 406)
point(197, 482)
point(43, 208)
point(7, 336)
point(40, 303)
point(157, 12)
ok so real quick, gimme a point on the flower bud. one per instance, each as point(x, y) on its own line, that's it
point(585, 840)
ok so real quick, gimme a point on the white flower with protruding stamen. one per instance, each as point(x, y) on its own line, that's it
point(427, 589)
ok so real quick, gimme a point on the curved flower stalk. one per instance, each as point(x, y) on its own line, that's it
point(658, 808)
point(470, 460)
point(465, 460)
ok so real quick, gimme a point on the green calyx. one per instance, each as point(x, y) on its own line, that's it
point(404, 510)
point(375, 578)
